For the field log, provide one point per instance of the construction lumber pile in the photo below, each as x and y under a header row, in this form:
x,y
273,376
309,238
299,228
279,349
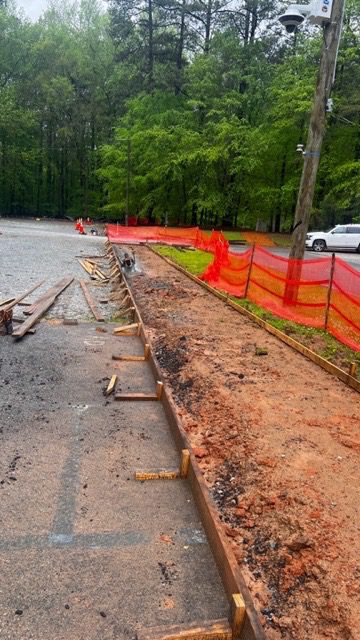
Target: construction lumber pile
x,y
39,308
92,268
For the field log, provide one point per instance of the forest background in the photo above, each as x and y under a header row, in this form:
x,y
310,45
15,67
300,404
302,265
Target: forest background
x,y
197,104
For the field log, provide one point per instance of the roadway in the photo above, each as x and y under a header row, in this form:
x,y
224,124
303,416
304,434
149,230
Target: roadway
x,y
351,258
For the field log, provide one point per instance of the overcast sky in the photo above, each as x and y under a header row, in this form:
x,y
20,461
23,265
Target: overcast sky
x,y
32,8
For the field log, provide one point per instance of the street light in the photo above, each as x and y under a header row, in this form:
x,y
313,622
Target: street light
x,y
329,15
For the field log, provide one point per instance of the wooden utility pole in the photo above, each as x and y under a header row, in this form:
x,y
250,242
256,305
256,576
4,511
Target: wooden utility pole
x,y
325,80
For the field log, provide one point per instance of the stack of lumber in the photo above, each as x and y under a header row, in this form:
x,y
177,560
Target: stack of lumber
x,y
39,308
92,268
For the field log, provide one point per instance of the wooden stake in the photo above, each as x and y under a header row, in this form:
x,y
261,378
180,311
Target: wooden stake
x,y
237,615
184,463
146,351
159,389
111,385
352,369
129,358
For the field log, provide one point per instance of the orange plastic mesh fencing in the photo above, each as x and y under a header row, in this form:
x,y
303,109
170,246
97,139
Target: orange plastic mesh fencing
x,y
193,236
119,234
344,312
293,289
229,272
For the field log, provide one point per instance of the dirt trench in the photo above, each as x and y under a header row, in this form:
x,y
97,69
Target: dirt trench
x,y
278,441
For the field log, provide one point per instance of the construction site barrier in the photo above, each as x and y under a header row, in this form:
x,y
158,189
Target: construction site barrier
x,y
323,292
192,237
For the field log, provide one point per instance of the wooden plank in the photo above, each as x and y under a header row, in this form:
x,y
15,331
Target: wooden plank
x,y
22,296
41,309
184,463
211,630
45,296
4,302
129,358
125,327
91,302
159,389
111,385
85,266
135,396
158,474
237,614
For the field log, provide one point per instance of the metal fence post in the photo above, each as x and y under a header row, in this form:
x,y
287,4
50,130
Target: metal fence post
x,y
328,302
250,269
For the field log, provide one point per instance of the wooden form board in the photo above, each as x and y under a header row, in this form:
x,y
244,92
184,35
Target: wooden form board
x,y
347,378
229,571
91,302
157,474
212,630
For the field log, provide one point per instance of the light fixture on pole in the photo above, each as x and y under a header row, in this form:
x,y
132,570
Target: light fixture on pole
x,y
329,15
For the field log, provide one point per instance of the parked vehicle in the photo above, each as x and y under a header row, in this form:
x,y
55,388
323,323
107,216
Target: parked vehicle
x,y
343,237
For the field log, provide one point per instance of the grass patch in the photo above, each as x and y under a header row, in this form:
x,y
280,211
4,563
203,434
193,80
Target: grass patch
x,y
194,261
281,239
322,343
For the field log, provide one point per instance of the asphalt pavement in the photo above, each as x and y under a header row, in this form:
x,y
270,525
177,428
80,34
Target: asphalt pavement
x,y
351,258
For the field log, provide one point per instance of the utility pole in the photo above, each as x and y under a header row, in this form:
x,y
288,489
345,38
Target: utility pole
x,y
325,81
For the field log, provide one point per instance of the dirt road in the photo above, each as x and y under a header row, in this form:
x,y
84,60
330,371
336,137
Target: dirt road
x,y
278,442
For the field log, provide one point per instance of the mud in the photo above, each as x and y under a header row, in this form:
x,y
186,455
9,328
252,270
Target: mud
x,y
278,442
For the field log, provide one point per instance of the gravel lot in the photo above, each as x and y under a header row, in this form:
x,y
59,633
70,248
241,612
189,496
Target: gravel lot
x,y
32,251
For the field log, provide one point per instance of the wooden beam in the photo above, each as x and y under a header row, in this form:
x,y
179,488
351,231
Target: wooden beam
x,y
89,299
129,358
22,296
41,309
212,630
111,385
184,463
125,327
53,291
135,396
158,474
237,615
4,302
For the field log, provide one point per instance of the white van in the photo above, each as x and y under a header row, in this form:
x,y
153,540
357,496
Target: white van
x,y
341,237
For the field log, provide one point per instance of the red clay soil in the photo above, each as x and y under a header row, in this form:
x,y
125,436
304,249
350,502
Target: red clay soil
x,y
278,442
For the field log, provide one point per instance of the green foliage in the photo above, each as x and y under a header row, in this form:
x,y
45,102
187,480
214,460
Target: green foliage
x,y
212,101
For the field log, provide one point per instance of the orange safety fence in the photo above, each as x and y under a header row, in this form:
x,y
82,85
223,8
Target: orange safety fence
x,y
292,289
344,309
120,234
193,236
322,292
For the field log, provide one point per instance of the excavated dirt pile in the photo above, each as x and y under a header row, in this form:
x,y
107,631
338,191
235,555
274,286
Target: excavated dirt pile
x,y
278,442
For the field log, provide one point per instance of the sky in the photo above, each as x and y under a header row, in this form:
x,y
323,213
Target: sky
x,y
33,8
